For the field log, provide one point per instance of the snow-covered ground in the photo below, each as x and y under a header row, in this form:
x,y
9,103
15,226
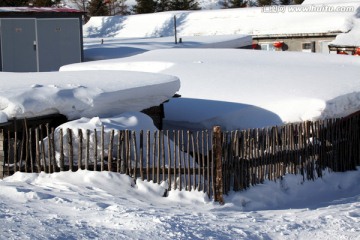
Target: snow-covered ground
x,y
103,205
236,88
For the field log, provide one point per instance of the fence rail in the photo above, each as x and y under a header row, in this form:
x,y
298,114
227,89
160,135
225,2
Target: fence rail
x,y
211,161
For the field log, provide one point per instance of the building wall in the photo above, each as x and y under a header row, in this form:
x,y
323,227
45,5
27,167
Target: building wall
x,y
320,44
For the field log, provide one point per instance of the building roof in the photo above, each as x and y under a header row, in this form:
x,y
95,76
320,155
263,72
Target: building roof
x,y
38,11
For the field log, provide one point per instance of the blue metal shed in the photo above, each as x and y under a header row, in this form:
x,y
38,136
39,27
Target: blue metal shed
x,y
39,39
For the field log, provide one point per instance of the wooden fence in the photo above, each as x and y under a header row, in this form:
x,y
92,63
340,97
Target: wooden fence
x,y
211,161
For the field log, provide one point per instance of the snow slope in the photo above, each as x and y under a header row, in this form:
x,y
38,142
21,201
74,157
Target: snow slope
x,y
252,21
107,48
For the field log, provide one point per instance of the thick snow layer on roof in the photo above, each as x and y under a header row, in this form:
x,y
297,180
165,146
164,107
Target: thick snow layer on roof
x,y
293,19
351,38
247,88
82,93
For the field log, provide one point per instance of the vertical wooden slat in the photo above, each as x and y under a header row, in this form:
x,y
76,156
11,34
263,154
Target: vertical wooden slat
x,y
193,160
37,149
70,148
175,158
179,155
188,186
123,163
158,157
154,156
80,151
128,152
148,155
27,150
49,147
169,162
53,151
203,159
133,137
208,159
102,143
141,135
217,149
15,149
110,149
163,154
87,158
118,152
61,149
183,153
95,149
199,162
42,149
21,152
30,149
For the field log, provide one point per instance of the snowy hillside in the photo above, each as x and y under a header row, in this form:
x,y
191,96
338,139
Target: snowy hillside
x,y
253,21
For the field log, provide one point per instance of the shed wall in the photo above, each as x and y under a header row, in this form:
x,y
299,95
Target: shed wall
x,y
44,42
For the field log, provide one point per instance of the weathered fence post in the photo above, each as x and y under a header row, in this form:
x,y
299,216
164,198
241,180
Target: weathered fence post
x,y
2,155
217,149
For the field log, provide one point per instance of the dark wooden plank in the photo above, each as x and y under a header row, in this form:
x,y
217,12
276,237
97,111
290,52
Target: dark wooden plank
x,y
37,149
87,157
141,157
80,150
102,144
148,146
61,149
135,149
70,149
95,150
110,149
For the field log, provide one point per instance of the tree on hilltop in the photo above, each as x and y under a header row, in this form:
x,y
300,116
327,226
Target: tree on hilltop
x,y
98,8
144,6
184,5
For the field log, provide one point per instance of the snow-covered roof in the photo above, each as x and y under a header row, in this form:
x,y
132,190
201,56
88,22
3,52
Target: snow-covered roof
x,y
82,93
247,88
351,38
37,9
292,19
